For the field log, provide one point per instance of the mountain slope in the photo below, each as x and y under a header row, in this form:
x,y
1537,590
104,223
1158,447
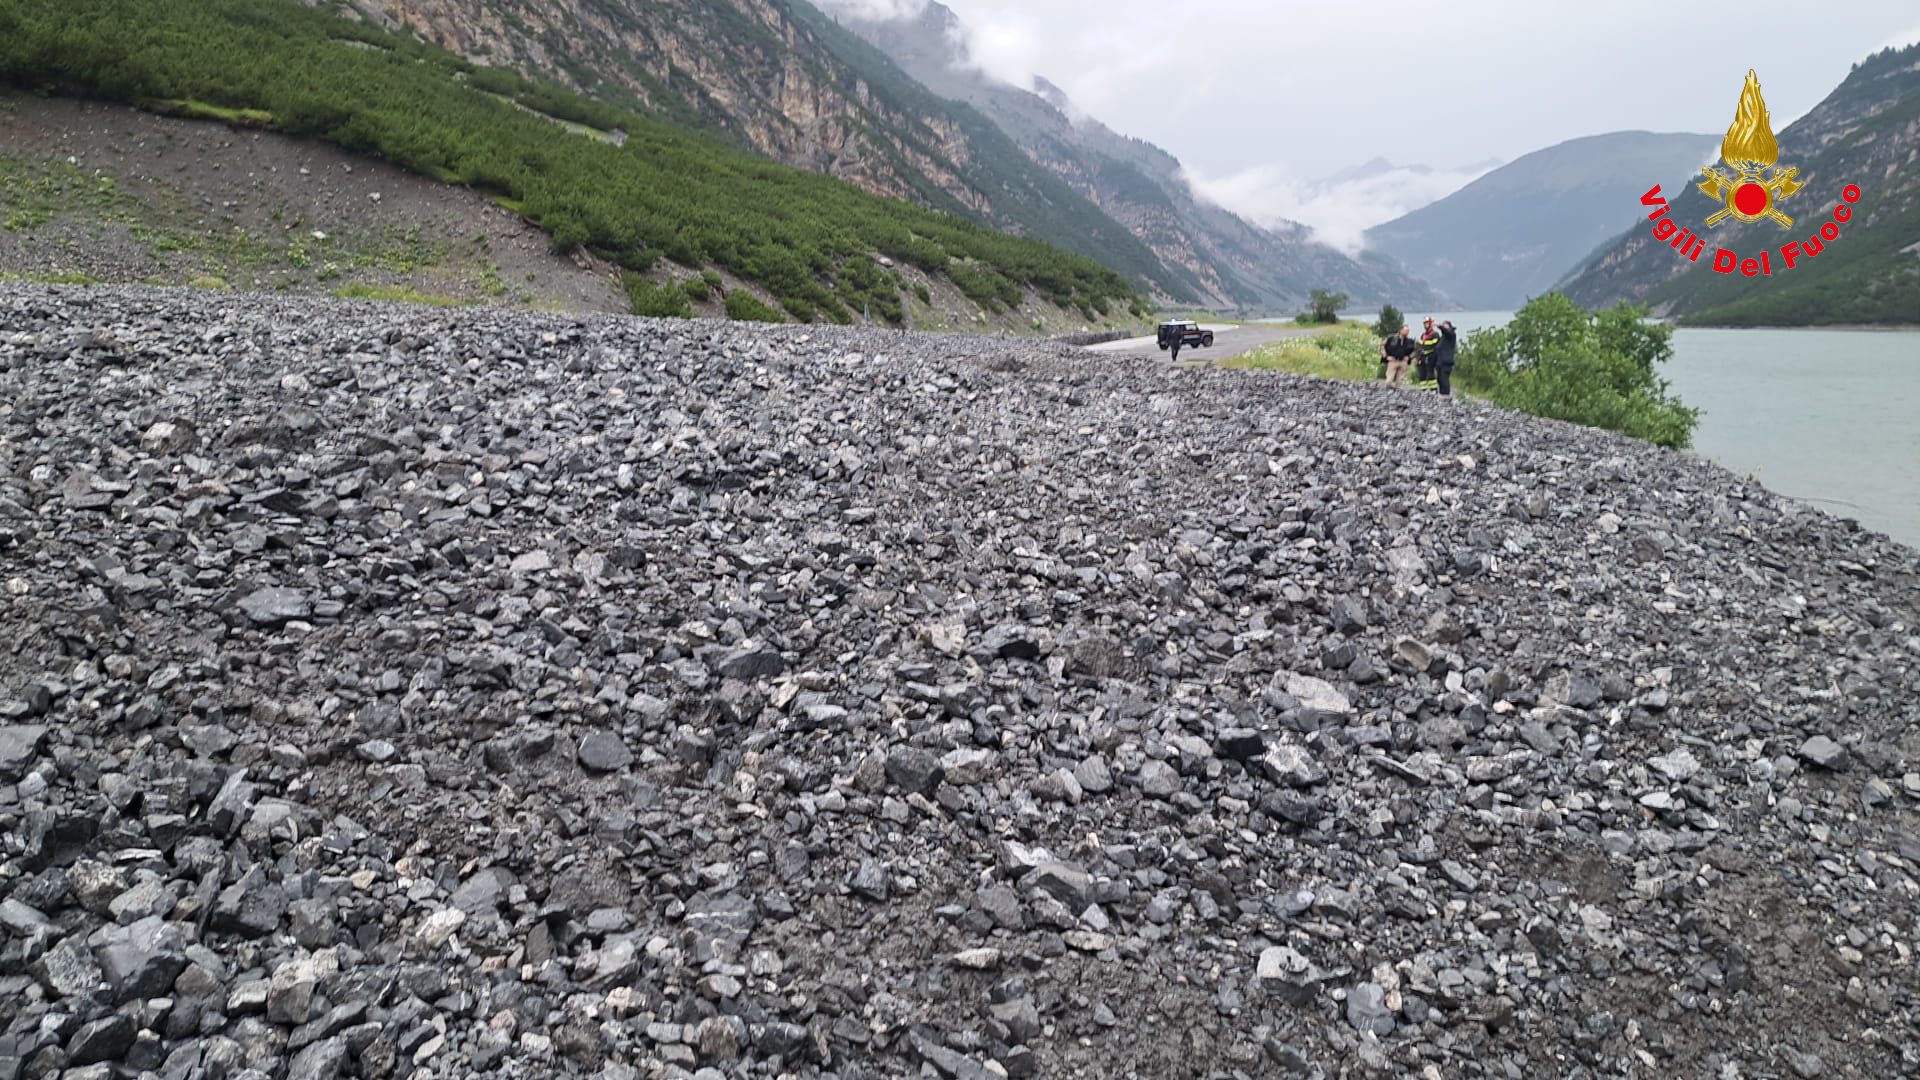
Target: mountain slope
x,y
1144,187
778,78
1866,132
632,190
1513,232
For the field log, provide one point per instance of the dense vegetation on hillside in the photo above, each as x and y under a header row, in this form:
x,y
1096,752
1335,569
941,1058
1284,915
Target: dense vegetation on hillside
x,y
808,240
1880,284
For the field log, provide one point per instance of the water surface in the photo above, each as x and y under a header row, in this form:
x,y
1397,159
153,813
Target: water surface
x,y
1830,417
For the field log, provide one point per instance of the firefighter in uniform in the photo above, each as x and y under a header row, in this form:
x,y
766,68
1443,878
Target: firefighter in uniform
x,y
1429,349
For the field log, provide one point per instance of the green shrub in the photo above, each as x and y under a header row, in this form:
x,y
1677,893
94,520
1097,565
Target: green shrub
x,y
746,307
697,289
662,301
1323,306
1557,360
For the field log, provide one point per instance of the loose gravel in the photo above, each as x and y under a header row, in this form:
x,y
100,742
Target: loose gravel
x,y
400,693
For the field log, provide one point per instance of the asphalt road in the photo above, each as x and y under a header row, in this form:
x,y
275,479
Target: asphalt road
x,y
1229,341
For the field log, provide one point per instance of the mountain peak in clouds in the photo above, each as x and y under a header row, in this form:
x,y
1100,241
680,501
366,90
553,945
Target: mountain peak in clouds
x,y
1339,208
1380,166
1366,171
882,10
1052,94
921,30
1270,265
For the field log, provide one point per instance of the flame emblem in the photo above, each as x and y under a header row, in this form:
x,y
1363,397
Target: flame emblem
x,y
1750,191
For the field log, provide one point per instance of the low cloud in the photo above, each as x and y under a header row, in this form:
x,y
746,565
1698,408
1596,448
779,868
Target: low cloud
x,y
1338,211
1900,41
875,10
1007,47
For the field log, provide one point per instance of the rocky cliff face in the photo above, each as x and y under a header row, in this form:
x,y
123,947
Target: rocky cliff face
x,y
789,82
786,82
748,76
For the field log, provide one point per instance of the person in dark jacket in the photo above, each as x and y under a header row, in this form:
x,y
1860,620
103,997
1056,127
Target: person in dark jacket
x,y
1443,358
1394,353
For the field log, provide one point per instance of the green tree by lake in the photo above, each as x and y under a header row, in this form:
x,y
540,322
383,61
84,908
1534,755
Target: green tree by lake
x,y
1323,306
1558,360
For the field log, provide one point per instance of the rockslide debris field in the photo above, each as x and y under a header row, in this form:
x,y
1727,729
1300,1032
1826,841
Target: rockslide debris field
x,y
390,692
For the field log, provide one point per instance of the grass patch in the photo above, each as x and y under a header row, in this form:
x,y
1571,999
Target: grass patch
x,y
201,110
395,293
55,277
1555,360
667,301
34,193
1349,351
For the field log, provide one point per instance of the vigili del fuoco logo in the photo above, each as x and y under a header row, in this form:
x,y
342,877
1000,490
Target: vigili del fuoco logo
x,y
1751,188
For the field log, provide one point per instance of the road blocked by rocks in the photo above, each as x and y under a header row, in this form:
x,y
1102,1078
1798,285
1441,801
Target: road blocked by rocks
x,y
392,692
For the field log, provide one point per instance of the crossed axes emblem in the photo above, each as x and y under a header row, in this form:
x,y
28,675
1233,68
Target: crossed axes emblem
x,y
1723,187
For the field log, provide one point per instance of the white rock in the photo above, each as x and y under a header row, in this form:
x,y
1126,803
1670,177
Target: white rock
x,y
1679,765
440,926
983,959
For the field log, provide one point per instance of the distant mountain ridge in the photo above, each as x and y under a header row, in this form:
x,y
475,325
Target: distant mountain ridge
x,y
1866,132
1233,261
1380,166
1515,231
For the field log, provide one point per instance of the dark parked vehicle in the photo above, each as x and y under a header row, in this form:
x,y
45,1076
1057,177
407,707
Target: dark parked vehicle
x,y
1187,331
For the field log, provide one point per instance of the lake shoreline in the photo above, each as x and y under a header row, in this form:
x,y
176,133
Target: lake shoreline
x,y
1886,328
1822,415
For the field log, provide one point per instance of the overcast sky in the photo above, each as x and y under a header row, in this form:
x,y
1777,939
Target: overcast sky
x,y
1259,98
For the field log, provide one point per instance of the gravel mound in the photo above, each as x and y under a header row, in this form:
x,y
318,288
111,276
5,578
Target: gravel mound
x,y
391,692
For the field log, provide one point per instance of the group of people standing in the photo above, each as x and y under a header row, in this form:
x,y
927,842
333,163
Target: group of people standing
x,y
1431,353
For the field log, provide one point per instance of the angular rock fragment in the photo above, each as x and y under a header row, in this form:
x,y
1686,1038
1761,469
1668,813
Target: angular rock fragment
x,y
20,745
1824,752
915,769
275,606
604,752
